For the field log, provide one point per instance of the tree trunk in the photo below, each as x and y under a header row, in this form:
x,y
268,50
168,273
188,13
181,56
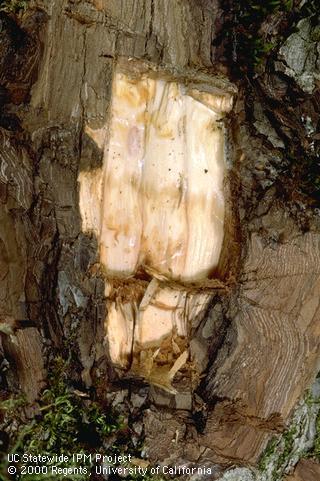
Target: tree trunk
x,y
225,365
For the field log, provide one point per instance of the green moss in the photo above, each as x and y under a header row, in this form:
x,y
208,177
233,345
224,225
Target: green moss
x,y
278,453
65,424
283,448
68,424
13,6
268,454
315,451
248,45
288,439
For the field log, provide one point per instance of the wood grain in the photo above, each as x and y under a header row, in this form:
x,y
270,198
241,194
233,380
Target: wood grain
x,y
275,353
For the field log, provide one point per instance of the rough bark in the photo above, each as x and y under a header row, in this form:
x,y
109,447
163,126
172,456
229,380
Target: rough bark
x,y
305,471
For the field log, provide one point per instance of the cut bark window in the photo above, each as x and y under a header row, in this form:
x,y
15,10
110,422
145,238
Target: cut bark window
x,y
156,206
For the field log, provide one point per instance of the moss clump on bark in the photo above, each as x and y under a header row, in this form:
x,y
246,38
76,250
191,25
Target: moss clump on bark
x,y
13,6
283,452
315,451
65,423
249,35
277,453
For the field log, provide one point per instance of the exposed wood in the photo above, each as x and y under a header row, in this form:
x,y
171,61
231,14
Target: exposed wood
x,y
275,349
158,202
157,205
